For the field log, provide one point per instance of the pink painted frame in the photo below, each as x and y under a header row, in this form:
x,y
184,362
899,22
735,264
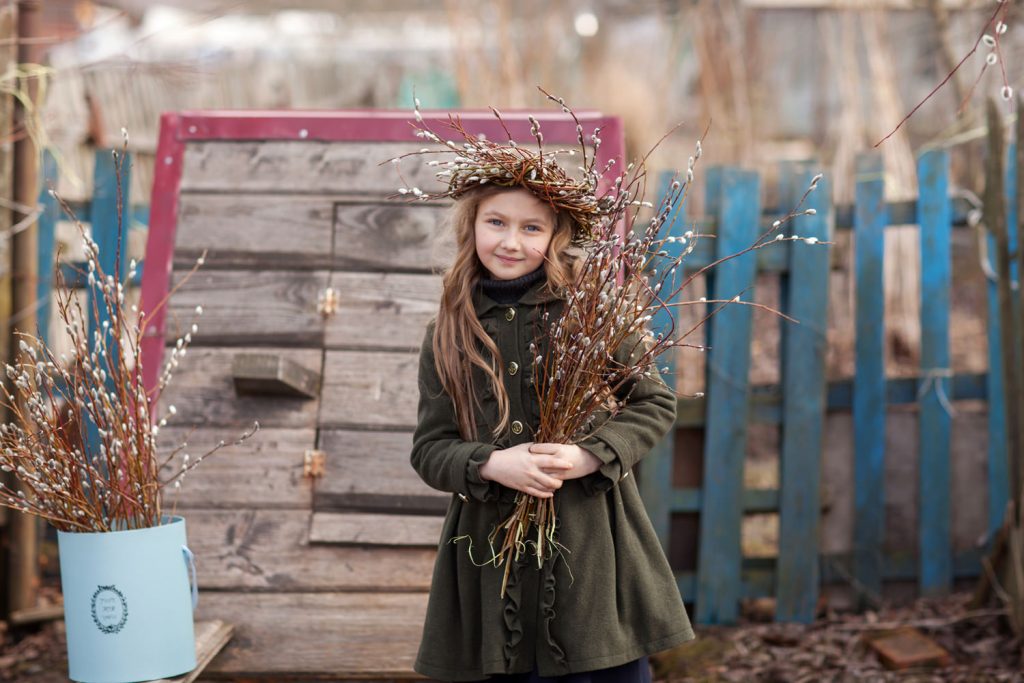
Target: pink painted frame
x,y
368,125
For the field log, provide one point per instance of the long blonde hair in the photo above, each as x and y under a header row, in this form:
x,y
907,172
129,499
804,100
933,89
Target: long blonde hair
x,y
459,336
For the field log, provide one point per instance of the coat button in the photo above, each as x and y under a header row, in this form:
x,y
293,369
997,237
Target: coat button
x,y
513,368
510,314
517,427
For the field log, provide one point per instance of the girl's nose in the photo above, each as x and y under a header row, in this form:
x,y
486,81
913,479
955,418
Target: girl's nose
x,y
510,241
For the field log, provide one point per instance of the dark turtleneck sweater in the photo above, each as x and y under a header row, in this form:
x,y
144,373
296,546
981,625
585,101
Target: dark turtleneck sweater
x,y
510,291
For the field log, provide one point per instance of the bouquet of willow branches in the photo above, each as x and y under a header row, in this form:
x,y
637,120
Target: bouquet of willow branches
x,y
112,482
626,279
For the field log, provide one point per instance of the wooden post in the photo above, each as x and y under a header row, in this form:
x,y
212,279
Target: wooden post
x,y
1017,468
869,397
995,220
8,58
719,579
1015,532
1004,437
24,567
999,453
1006,560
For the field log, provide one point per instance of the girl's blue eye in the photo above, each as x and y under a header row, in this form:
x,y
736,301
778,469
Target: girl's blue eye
x,y
494,221
535,228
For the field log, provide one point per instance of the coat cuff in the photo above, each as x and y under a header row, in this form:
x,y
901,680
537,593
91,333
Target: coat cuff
x,y
478,487
610,472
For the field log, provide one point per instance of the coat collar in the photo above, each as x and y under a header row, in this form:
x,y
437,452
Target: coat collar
x,y
537,294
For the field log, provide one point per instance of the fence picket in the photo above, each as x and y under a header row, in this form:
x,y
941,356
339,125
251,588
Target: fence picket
x,y
108,231
803,396
719,580
47,238
110,235
655,476
869,381
935,553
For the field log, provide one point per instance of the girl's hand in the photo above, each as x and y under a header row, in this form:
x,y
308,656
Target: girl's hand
x,y
517,468
583,461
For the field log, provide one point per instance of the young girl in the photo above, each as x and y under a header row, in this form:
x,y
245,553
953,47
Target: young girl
x,y
596,610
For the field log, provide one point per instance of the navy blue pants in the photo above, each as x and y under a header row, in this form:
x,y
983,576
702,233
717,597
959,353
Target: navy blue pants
x,y
638,671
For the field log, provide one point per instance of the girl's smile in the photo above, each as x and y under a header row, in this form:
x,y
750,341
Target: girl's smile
x,y
512,231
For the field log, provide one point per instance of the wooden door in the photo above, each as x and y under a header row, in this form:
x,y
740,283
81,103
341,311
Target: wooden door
x,y
315,538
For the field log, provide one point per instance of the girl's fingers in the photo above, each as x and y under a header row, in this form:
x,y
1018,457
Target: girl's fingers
x,y
547,448
548,482
538,493
553,463
557,474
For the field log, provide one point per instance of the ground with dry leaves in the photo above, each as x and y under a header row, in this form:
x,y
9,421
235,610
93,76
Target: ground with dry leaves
x,y
834,649
831,650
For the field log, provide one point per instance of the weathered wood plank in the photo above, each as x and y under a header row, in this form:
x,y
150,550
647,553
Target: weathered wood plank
x,y
295,232
372,635
382,311
369,389
362,528
211,637
803,410
270,550
395,236
36,614
203,392
371,471
265,471
252,231
245,307
719,582
935,423
303,167
869,380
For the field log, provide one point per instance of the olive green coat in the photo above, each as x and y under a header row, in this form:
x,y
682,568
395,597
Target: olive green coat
x,y
610,598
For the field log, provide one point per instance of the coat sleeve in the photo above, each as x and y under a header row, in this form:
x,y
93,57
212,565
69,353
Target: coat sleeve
x,y
620,442
441,458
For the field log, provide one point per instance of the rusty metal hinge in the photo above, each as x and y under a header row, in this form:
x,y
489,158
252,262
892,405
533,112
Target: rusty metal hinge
x,y
327,302
313,464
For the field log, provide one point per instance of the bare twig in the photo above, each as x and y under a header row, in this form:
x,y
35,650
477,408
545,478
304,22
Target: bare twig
x,y
1000,8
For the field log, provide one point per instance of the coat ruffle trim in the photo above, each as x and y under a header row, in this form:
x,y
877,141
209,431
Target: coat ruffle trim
x,y
512,617
548,613
511,614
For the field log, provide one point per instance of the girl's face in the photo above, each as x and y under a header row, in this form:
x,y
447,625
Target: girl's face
x,y
513,230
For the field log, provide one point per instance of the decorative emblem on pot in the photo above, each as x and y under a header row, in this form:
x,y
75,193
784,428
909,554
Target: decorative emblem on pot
x,y
109,609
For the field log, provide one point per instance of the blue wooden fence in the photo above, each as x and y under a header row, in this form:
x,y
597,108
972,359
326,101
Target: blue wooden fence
x,y
107,228
799,404
101,214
